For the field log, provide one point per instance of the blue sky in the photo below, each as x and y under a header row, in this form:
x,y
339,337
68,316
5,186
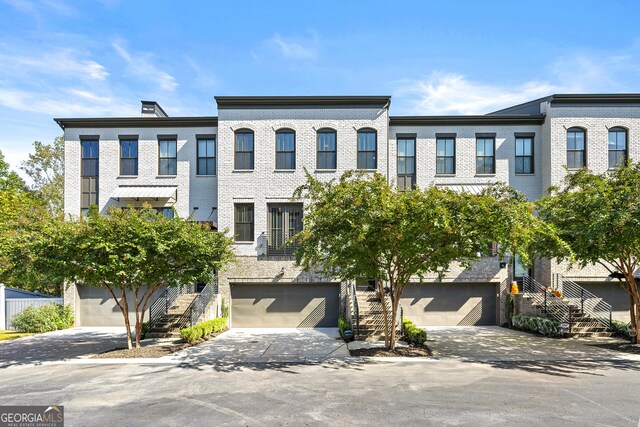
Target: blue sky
x,y
100,58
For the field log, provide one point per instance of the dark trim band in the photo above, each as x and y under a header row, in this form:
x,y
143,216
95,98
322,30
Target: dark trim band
x,y
137,122
301,101
516,119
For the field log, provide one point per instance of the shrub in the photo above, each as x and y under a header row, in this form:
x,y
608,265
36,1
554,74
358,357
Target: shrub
x,y
343,325
413,334
50,317
224,309
620,329
201,330
540,325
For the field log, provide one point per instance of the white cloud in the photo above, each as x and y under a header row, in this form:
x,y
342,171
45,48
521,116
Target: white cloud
x,y
444,93
140,64
61,62
296,48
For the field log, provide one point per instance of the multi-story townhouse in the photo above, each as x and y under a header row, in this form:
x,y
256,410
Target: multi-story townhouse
x,y
239,170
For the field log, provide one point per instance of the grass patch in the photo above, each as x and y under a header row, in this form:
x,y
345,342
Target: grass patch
x,y
9,335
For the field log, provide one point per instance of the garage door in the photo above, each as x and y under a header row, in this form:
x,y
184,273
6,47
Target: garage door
x,y
96,307
290,305
450,304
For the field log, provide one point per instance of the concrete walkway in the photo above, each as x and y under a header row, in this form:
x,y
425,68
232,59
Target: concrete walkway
x,y
496,344
60,345
267,346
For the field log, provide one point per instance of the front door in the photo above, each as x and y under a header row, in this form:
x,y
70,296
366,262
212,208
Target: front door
x,y
520,272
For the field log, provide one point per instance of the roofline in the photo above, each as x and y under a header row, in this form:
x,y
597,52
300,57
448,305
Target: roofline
x,y
503,119
156,105
301,101
532,102
596,98
144,122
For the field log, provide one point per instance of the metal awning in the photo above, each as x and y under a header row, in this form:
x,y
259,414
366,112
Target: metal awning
x,y
145,192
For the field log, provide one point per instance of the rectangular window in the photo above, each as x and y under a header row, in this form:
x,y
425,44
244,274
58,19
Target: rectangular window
x,y
88,174
326,158
524,154
243,222
168,158
575,148
617,147
485,156
285,220
367,149
244,150
166,211
445,155
128,157
206,162
285,150
406,164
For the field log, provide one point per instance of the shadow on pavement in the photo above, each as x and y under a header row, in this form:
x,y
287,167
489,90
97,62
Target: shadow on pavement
x,y
566,368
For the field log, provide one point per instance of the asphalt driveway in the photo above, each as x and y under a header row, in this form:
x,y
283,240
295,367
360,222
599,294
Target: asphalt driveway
x,y
267,345
60,345
493,343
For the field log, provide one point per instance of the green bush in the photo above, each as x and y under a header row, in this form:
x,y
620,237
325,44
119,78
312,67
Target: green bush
x,y
620,329
224,309
413,334
195,332
539,325
343,325
50,317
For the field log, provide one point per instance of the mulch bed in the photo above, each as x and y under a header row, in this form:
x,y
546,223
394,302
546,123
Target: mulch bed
x,y
620,346
151,351
411,351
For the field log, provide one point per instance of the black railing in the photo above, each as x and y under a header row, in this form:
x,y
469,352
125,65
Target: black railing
x,y
198,305
162,304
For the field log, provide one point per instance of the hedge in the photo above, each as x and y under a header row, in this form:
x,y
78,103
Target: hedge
x,y
195,332
47,318
539,325
413,334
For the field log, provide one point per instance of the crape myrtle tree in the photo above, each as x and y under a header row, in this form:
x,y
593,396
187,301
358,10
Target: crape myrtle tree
x,y
359,227
130,252
598,215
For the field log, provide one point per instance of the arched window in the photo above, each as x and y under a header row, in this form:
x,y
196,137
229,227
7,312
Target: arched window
x,y
576,148
244,149
367,149
326,156
617,146
285,149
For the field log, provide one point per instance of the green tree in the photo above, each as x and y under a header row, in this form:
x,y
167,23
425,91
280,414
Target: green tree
x,y
46,168
130,250
598,215
9,180
359,227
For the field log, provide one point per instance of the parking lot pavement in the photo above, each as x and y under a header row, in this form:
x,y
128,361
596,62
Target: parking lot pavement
x,y
493,343
60,345
267,345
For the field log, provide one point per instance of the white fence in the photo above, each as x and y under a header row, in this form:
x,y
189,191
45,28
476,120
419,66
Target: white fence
x,y
11,306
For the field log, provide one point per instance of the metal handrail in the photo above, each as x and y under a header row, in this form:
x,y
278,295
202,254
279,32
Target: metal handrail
x,y
589,303
553,306
161,305
355,308
198,305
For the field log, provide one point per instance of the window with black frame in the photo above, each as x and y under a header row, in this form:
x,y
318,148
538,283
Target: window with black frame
x,y
524,155
285,149
88,174
445,155
167,157
129,156
406,163
485,156
244,150
617,147
367,149
576,148
285,220
206,156
243,222
326,156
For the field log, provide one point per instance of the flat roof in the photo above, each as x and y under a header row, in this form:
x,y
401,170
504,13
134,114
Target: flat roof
x,y
301,101
143,122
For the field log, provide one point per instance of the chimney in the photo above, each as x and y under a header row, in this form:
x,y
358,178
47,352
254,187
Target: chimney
x,y
152,109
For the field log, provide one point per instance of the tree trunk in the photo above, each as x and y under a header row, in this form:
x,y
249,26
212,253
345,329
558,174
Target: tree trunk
x,y
394,315
634,300
385,316
127,324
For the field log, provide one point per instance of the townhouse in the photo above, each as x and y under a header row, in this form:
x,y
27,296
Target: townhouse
x,y
238,171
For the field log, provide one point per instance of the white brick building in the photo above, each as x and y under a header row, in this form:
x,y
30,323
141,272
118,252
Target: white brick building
x,y
253,155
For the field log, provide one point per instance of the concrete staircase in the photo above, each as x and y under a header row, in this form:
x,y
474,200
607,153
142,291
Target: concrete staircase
x,y
371,315
582,325
166,326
